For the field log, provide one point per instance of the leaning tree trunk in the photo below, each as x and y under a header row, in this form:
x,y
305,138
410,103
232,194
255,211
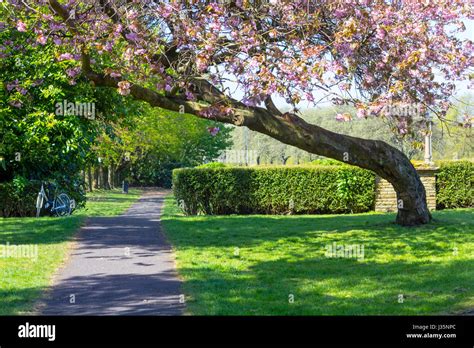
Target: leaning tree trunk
x,y
375,155
378,156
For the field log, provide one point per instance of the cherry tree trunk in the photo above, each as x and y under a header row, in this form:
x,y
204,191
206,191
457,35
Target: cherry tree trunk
x,y
377,156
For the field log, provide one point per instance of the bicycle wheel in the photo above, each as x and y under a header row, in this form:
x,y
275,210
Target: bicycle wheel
x,y
39,204
62,205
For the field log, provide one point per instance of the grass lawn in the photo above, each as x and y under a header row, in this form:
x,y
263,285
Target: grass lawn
x,y
22,279
256,265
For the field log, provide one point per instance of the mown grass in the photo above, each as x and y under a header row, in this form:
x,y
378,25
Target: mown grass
x,y
255,265
22,279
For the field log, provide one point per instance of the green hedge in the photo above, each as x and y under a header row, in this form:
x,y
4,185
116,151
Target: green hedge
x,y
18,198
454,185
274,190
326,162
212,165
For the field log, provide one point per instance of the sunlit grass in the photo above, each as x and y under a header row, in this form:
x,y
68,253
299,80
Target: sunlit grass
x,y
23,279
255,265
108,202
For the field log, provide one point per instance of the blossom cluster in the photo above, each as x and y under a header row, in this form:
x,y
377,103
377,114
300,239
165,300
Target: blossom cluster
x,y
369,53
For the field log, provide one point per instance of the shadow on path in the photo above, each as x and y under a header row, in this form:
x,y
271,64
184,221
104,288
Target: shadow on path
x,y
119,266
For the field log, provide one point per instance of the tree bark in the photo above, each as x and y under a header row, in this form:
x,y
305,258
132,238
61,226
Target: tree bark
x,y
96,178
377,156
89,178
111,176
105,177
100,177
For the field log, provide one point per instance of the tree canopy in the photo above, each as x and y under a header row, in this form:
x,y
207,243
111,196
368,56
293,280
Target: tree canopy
x,y
390,50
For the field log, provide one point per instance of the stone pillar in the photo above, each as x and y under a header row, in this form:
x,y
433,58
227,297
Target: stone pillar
x,y
386,198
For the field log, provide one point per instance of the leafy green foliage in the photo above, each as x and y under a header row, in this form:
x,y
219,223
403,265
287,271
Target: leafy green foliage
x,y
18,198
164,140
36,142
274,190
212,165
39,141
326,162
455,185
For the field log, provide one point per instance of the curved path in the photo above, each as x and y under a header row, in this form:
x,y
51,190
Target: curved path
x,y
120,265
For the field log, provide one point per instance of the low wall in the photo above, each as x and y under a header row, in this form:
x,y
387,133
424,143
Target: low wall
x,y
386,198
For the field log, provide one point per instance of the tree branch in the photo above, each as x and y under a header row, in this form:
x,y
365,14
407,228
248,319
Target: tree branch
x,y
271,106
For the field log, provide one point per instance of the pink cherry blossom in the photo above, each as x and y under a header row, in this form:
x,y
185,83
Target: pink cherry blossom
x,y
389,51
380,33
124,87
65,56
41,39
21,26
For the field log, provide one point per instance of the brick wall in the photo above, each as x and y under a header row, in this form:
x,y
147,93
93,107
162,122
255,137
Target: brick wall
x,y
386,198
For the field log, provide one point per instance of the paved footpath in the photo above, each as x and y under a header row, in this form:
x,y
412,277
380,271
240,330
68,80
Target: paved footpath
x,y
119,266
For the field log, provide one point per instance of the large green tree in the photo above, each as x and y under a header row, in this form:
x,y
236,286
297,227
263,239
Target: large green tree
x,y
37,142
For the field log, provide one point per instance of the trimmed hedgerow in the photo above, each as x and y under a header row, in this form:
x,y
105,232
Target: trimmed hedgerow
x,y
454,185
274,190
18,198
212,165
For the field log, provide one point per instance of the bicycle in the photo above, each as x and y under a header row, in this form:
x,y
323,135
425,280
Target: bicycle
x,y
60,205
